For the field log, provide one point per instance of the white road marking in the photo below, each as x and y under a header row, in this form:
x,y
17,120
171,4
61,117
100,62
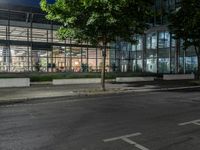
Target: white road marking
x,y
120,137
196,122
126,139
134,143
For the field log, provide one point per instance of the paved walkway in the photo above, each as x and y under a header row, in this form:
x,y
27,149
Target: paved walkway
x,y
10,95
35,91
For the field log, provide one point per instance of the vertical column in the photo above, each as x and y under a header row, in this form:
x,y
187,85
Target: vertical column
x,y
115,56
47,61
129,61
126,65
47,51
157,52
65,56
31,40
70,61
87,58
8,51
136,62
144,53
28,48
170,54
115,52
47,40
96,59
121,58
177,55
184,61
52,47
47,36
81,56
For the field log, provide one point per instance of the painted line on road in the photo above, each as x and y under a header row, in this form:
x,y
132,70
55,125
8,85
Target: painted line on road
x,y
120,137
126,139
196,122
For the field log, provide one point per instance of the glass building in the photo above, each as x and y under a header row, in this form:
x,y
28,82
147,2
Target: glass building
x,y
29,43
28,40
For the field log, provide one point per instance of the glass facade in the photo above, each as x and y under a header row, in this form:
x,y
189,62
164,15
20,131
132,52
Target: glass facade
x,y
29,43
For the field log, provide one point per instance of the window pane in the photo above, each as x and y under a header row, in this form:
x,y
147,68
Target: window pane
x,y
39,35
3,32
152,41
164,40
18,33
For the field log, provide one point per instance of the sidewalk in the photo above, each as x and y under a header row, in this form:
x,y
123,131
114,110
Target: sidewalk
x,y
46,90
35,91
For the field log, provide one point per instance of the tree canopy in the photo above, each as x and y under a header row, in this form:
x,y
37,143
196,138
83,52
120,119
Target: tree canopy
x,y
185,25
99,21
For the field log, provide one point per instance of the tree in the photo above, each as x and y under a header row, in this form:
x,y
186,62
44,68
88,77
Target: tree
x,y
99,22
185,25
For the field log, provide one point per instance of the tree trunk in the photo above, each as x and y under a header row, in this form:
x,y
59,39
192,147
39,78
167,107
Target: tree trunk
x,y
103,68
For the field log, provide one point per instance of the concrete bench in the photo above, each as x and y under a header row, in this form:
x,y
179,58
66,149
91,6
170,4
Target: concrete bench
x,y
14,82
179,77
76,81
134,79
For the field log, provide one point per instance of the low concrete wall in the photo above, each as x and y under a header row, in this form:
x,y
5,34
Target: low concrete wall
x,y
14,82
76,81
178,77
134,79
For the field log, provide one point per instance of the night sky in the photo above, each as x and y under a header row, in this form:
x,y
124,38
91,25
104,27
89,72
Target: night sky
x,y
34,3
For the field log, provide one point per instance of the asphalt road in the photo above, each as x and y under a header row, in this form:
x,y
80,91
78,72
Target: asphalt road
x,y
143,121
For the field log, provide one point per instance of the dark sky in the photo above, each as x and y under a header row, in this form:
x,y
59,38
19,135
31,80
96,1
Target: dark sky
x,y
34,3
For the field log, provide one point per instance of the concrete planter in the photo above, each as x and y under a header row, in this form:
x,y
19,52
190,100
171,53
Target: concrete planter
x,y
134,79
76,81
14,82
179,77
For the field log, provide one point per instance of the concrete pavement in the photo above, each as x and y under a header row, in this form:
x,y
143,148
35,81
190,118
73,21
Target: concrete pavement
x,y
46,90
14,95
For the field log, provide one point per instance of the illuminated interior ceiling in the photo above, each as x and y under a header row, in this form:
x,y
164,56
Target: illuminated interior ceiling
x,y
19,50
1,50
2,30
39,33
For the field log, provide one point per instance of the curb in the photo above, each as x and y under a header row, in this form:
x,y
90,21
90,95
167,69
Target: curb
x,y
179,88
82,94
26,99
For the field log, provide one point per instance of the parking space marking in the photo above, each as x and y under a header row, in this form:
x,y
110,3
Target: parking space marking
x,y
126,139
196,122
120,137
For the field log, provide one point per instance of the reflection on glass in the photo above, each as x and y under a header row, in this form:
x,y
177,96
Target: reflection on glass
x,y
191,64
140,43
164,40
151,41
164,65
151,65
